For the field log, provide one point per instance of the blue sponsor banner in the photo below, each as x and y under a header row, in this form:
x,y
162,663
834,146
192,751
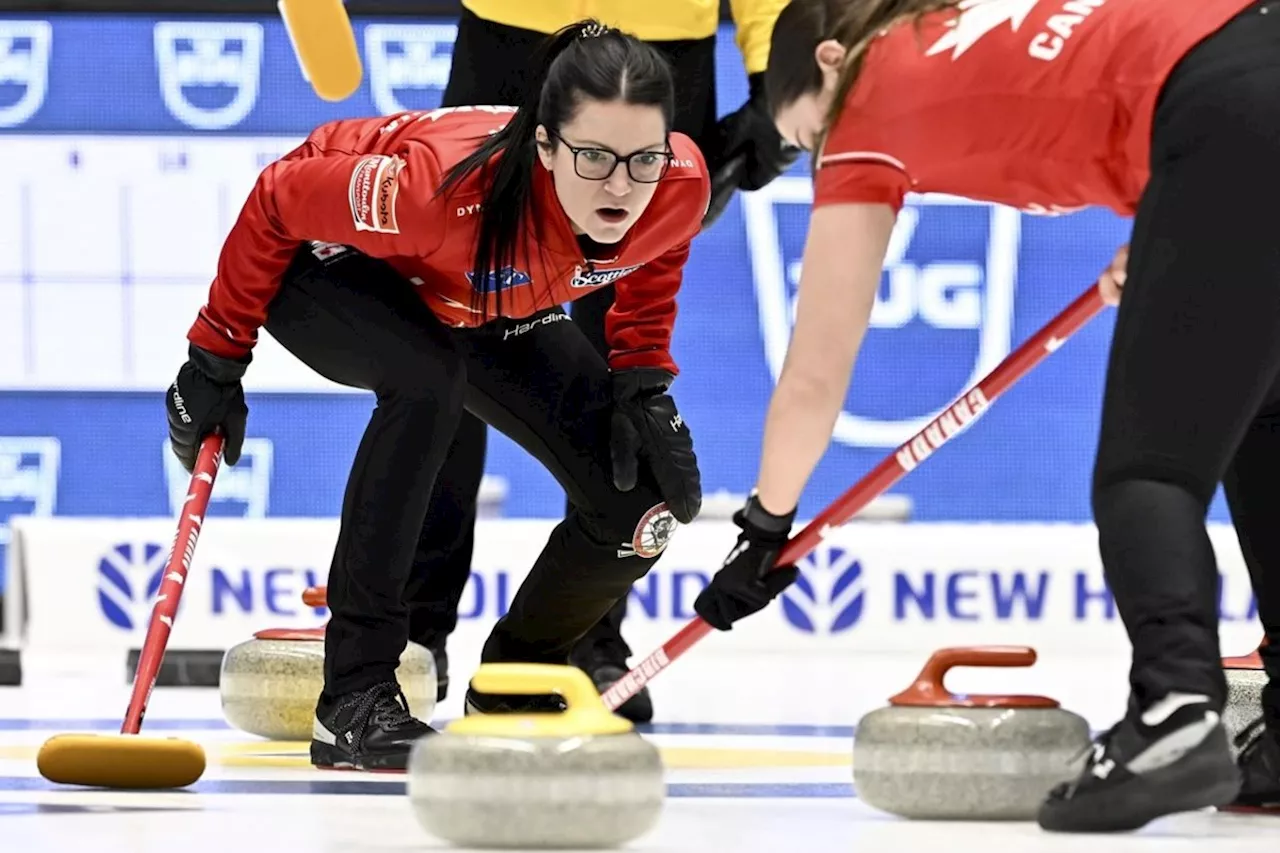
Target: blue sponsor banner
x,y
209,74
963,285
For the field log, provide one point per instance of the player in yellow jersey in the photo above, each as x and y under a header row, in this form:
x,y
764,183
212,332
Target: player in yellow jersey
x,y
491,60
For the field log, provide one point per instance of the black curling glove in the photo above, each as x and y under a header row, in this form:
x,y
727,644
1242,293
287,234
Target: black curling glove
x,y
749,580
746,152
206,395
646,425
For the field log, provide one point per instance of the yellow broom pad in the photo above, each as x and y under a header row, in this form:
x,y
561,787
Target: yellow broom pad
x,y
325,45
120,761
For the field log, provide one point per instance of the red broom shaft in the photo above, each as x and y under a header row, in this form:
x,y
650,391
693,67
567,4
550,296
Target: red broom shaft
x,y
890,470
175,576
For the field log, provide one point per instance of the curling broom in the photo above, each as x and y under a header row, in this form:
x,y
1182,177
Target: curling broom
x,y
890,470
128,760
324,44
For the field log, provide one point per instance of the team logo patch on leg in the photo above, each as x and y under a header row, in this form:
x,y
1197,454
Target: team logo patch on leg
x,y
375,185
653,533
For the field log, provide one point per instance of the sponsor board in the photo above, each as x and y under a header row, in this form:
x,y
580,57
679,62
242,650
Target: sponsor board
x,y
868,588
201,106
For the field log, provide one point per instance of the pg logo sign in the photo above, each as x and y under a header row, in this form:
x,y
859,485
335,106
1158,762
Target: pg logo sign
x,y
943,316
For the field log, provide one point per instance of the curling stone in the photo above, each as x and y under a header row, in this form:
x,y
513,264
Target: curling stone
x,y
1245,680
933,755
318,596
581,778
270,684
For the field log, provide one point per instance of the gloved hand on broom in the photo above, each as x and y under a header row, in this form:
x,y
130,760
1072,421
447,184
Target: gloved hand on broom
x,y
749,578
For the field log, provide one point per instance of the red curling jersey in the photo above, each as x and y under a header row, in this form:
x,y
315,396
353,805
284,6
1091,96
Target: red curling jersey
x,y
371,184
1042,105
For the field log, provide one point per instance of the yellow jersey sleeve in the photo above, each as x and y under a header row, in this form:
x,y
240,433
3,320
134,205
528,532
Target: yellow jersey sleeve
x,y
649,20
753,22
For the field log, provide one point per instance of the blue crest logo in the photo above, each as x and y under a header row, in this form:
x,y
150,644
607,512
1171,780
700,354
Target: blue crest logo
x,y
25,47
209,72
403,57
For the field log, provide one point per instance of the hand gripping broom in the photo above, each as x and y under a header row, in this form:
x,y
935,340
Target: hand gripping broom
x,y
128,760
891,469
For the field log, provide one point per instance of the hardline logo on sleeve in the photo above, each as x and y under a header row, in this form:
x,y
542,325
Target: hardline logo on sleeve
x,y
374,189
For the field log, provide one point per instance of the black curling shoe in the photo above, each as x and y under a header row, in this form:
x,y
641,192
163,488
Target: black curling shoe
x,y
368,730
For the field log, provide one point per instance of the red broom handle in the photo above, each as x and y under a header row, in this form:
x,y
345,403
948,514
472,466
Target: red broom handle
x,y
967,408
175,576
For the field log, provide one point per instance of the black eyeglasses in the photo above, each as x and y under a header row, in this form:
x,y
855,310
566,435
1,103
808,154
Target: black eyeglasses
x,y
597,164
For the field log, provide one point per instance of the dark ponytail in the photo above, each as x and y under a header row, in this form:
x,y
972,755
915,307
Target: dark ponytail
x,y
583,61
804,24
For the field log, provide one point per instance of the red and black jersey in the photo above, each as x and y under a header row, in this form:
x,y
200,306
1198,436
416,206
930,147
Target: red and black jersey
x,y
371,184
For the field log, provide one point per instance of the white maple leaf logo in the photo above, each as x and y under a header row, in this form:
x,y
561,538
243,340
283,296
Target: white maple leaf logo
x,y
977,18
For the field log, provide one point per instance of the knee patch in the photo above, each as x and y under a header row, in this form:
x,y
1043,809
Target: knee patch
x,y
645,534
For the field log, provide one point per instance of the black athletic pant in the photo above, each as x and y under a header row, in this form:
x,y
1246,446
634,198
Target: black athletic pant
x,y
355,321
491,65
1193,385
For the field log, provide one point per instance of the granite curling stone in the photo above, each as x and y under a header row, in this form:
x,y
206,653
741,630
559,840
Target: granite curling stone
x,y
578,779
1245,680
269,685
933,755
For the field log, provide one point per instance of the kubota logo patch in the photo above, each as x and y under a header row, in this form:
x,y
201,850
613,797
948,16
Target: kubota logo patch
x,y
375,185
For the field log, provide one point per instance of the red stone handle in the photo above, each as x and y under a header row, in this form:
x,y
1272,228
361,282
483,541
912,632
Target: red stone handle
x,y
1253,660
316,596
928,691
301,634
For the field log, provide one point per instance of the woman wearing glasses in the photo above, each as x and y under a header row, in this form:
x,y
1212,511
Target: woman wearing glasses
x,y
425,257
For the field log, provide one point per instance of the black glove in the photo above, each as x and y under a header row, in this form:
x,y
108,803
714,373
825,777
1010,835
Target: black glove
x,y
748,580
746,152
645,425
207,394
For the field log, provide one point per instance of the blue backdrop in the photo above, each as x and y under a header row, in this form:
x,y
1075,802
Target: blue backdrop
x,y
965,283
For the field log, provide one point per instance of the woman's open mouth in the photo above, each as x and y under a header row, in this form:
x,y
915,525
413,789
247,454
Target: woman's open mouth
x,y
612,215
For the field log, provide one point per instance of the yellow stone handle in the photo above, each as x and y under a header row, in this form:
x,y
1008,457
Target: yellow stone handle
x,y
533,678
585,713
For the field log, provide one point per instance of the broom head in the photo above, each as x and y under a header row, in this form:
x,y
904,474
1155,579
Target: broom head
x,y
120,761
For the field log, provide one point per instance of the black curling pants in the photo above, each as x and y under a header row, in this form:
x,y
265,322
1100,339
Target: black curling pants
x,y
491,65
355,321
1193,385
